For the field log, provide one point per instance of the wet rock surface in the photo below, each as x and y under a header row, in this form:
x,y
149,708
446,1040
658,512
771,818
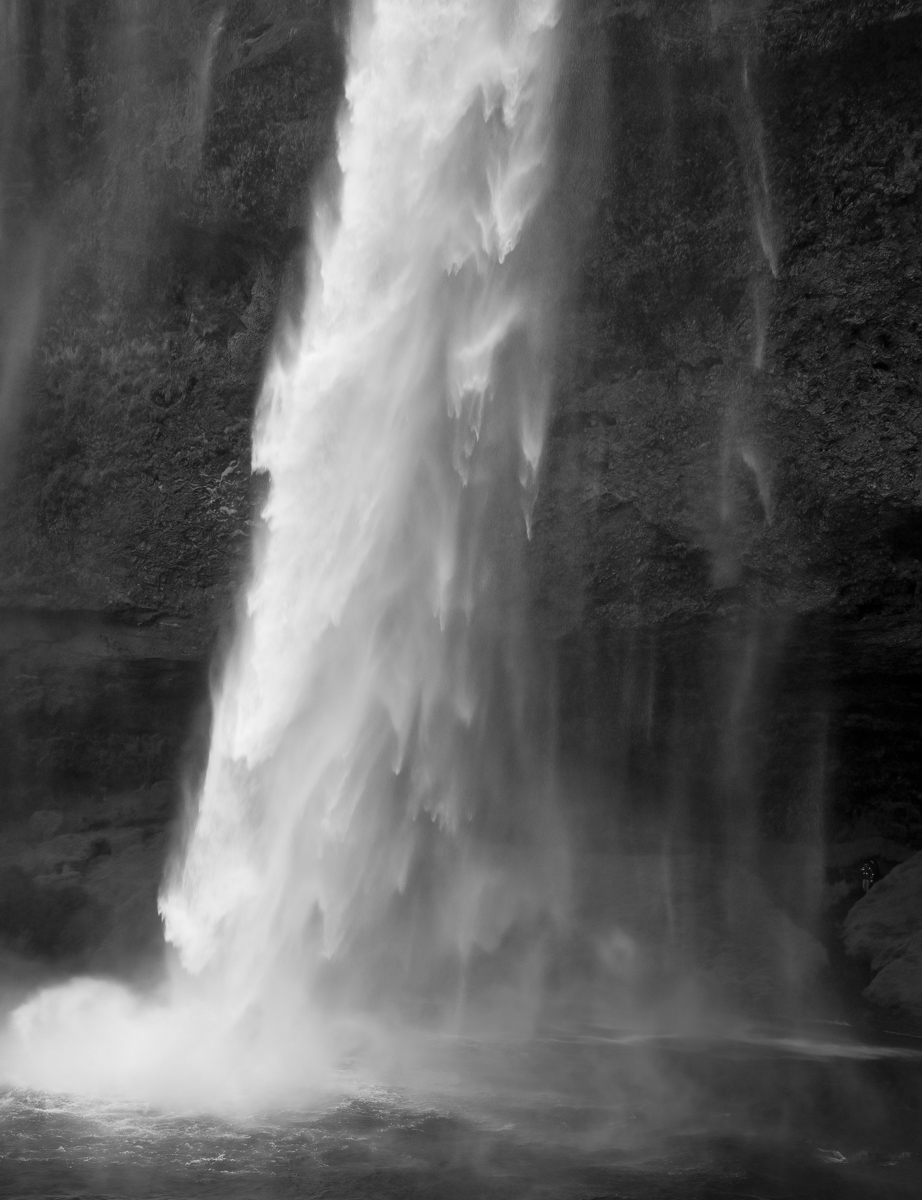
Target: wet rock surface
x,y
78,889
95,702
885,929
153,186
736,425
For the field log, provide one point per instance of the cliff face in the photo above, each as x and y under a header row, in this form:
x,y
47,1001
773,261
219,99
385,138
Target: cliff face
x,y
733,466
155,171
727,555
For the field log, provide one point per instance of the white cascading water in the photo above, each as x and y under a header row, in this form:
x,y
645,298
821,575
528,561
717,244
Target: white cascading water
x,y
338,761
374,833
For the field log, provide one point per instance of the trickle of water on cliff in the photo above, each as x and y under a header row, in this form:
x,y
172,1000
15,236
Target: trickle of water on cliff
x,y
757,172
204,78
739,441
374,834
23,240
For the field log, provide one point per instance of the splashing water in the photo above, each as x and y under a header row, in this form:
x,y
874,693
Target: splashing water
x,y
374,832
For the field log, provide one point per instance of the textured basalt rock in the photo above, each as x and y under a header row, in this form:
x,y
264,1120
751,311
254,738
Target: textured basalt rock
x,y
154,166
885,928
78,887
738,415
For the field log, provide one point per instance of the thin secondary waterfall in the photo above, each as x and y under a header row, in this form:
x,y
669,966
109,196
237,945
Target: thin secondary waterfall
x,y
353,806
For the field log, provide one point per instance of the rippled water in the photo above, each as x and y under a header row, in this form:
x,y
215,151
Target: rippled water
x,y
594,1117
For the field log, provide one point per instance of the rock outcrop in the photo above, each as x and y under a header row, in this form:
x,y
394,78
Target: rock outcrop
x,y
885,929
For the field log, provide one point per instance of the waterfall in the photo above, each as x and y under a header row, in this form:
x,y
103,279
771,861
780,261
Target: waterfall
x,y
350,789
375,832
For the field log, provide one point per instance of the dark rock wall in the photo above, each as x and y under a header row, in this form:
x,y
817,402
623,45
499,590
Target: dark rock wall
x,y
93,703
155,164
735,444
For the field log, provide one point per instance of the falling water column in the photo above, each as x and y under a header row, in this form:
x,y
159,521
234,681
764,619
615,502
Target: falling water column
x,y
372,828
